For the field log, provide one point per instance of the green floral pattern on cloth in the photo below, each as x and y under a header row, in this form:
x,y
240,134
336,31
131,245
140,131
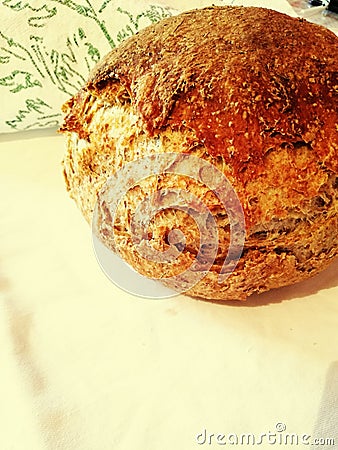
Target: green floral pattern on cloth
x,y
48,47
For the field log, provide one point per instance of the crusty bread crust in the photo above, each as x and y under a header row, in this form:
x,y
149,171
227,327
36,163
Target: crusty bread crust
x,y
254,92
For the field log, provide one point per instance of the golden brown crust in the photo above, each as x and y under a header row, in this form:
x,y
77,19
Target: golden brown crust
x,y
241,78
252,91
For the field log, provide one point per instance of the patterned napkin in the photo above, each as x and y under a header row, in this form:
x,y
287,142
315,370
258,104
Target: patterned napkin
x,y
47,48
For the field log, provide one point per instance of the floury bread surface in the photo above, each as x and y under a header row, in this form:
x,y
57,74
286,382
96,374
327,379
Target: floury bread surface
x,y
253,92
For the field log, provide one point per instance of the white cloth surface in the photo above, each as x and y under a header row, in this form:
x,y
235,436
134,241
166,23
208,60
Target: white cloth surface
x,y
85,365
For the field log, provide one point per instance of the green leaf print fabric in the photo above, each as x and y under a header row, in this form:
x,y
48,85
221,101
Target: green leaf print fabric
x,y
48,47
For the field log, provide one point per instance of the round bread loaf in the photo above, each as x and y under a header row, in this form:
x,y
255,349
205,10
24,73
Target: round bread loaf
x,y
251,91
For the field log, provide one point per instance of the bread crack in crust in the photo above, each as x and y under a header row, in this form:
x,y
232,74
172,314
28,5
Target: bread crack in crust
x,y
251,91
